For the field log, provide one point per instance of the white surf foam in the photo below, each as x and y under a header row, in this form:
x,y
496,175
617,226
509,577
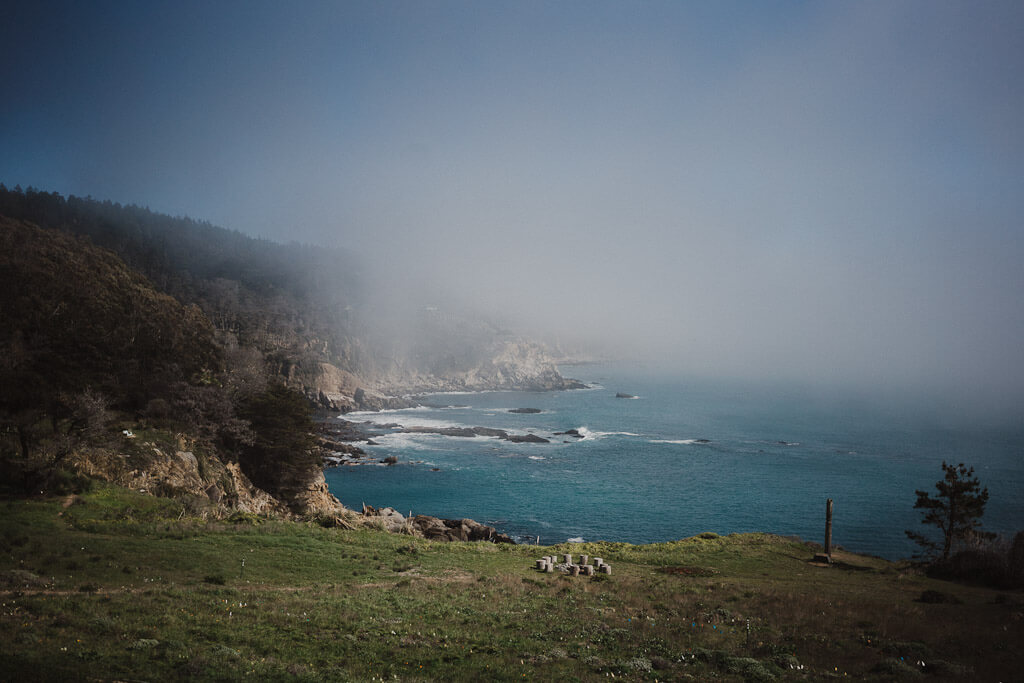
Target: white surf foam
x,y
588,433
415,421
684,442
537,457
408,441
378,413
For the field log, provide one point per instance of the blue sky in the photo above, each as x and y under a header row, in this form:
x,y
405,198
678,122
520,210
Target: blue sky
x,y
829,191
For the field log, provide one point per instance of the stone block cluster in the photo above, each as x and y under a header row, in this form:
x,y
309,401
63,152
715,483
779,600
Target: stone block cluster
x,y
549,563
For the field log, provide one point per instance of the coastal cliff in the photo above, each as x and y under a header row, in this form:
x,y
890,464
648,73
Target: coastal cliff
x,y
209,348
504,365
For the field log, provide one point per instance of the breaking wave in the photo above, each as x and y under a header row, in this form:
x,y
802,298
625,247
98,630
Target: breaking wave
x,y
588,433
682,442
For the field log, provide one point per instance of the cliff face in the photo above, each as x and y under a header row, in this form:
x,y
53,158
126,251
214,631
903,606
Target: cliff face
x,y
504,365
307,313
161,467
115,315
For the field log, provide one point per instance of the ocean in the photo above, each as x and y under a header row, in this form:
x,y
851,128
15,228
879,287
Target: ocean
x,y
683,457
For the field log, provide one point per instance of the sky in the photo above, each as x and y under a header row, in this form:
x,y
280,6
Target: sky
x,y
820,191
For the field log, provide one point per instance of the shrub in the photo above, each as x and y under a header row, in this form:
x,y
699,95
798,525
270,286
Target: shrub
x,y
63,483
990,562
751,669
240,517
896,669
281,458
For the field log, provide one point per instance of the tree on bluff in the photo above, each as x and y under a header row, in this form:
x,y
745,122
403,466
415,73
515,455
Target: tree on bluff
x,y
956,511
282,459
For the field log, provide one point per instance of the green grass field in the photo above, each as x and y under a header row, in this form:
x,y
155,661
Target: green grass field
x,y
117,585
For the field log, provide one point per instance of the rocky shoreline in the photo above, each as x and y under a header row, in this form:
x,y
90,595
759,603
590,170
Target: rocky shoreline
x,y
434,528
509,365
338,438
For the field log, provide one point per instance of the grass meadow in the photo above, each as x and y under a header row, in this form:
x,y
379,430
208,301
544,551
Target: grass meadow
x,y
117,585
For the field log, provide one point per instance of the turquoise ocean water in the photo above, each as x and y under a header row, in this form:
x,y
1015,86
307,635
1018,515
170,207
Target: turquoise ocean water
x,y
644,473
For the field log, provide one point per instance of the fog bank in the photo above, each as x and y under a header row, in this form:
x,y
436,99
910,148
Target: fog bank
x,y
823,193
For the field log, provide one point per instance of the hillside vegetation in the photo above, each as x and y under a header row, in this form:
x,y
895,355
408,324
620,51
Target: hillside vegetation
x,y
117,585
90,346
212,345
315,316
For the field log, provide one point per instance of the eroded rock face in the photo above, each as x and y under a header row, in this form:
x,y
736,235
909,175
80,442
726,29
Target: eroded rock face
x,y
498,365
317,500
502,365
364,399
208,485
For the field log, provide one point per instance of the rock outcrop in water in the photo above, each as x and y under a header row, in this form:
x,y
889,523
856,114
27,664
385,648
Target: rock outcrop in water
x,y
470,432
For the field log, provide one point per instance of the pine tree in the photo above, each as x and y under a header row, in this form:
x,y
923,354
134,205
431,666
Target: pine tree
x,y
956,511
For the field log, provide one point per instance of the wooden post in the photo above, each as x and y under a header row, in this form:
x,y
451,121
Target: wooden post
x,y
828,528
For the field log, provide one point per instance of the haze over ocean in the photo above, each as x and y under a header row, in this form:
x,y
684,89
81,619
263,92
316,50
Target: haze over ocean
x,y
759,193
642,474
828,192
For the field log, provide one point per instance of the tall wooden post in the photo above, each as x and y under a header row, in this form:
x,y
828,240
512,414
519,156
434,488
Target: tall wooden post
x,y
828,528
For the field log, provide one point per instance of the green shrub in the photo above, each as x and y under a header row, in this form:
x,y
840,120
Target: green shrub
x,y
895,668
751,669
64,483
240,517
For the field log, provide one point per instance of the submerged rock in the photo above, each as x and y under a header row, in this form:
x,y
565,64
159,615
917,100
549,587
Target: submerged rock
x,y
466,432
526,438
525,411
488,431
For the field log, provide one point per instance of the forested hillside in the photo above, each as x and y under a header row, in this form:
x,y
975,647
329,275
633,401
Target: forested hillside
x,y
309,312
213,345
